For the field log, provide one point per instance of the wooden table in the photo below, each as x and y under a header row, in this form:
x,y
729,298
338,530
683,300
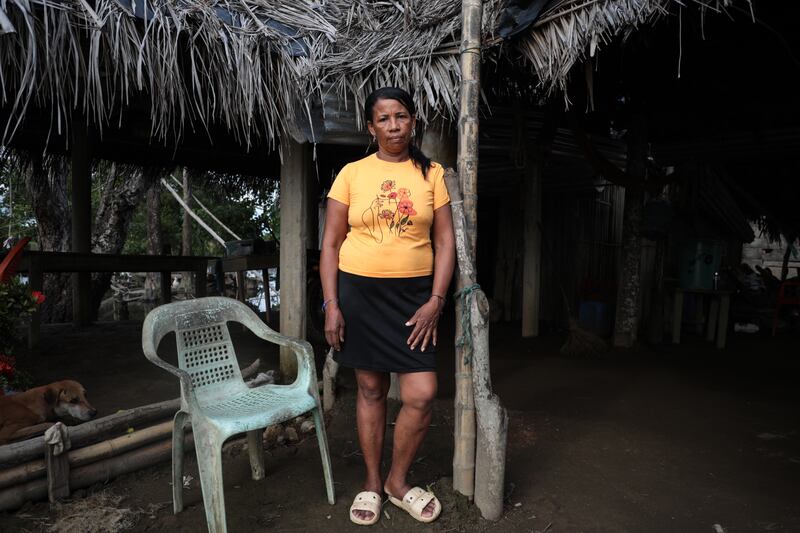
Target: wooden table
x,y
717,326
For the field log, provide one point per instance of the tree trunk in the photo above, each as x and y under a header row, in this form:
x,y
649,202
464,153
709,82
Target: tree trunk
x,y
464,455
47,186
155,242
492,419
626,325
787,256
121,193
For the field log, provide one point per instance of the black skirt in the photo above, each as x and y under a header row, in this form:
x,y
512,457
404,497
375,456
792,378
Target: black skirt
x,y
375,313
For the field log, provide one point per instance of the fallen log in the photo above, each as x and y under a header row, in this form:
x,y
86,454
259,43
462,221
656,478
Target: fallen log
x,y
31,432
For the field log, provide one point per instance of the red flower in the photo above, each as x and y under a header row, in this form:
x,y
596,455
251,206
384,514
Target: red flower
x,y
38,296
406,207
7,364
392,195
387,185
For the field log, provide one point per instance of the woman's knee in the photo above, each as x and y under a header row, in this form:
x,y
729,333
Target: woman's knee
x,y
372,388
419,395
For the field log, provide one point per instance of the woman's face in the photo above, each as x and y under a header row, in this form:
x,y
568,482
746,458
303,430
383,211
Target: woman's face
x,y
391,125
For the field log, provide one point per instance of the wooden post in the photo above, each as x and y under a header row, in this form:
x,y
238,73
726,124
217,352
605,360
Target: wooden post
x,y
267,296
200,278
532,239
295,169
81,219
154,242
626,324
186,229
57,474
470,50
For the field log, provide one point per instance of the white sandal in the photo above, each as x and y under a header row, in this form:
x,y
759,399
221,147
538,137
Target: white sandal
x,y
366,501
415,501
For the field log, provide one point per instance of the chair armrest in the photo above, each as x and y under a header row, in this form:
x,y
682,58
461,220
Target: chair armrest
x,y
306,371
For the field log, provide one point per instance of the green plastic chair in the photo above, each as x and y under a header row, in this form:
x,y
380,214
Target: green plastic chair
x,y
216,401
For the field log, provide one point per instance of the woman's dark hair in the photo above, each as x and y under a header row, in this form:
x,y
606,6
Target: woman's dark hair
x,y
421,161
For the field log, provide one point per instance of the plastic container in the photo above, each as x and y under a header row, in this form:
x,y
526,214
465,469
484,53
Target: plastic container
x,y
699,260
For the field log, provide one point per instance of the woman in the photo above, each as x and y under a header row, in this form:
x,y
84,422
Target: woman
x,y
388,254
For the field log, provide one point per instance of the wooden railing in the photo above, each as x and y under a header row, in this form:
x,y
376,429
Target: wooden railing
x,y
35,264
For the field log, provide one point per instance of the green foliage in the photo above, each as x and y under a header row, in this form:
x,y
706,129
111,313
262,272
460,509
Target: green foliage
x,y
16,302
249,213
16,214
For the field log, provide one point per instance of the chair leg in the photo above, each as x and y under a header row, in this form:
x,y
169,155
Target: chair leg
x,y
322,439
178,427
255,446
208,446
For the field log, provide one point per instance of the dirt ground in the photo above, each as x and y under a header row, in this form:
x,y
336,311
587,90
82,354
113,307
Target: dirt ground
x,y
657,439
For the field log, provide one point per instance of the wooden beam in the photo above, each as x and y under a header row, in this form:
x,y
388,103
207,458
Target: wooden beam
x,y
295,171
81,220
532,241
72,262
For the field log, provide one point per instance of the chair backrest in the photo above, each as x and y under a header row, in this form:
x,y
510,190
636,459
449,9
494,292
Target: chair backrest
x,y
206,352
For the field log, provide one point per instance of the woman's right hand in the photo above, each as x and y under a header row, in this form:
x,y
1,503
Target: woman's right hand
x,y
334,326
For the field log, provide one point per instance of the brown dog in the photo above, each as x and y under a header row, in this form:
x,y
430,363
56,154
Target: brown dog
x,y
47,403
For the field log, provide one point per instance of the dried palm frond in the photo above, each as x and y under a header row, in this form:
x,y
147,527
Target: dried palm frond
x,y
250,65
568,31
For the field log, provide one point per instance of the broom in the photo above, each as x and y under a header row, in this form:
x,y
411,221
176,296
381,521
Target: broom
x,y
579,341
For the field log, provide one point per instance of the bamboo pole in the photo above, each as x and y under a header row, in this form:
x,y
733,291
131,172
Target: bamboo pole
x,y
113,447
87,475
20,452
188,210
89,454
464,453
23,473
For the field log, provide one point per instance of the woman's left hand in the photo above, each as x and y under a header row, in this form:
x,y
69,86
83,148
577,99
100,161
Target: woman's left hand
x,y
425,321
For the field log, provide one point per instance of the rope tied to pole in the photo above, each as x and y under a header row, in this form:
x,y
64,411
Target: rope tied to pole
x,y
466,317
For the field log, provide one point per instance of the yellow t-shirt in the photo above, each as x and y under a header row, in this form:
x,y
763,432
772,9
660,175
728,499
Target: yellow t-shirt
x,y
390,216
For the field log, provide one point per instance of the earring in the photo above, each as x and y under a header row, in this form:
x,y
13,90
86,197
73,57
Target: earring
x,y
413,133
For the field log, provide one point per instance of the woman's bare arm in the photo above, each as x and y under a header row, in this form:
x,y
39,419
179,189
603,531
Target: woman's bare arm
x,y
335,232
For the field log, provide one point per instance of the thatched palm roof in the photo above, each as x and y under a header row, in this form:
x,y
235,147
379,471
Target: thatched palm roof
x,y
249,65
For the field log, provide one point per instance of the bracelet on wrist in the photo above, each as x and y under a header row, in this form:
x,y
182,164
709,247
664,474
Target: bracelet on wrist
x,y
441,298
326,302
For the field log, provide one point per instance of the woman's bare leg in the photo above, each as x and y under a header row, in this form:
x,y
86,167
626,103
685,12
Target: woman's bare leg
x,y
371,422
417,392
